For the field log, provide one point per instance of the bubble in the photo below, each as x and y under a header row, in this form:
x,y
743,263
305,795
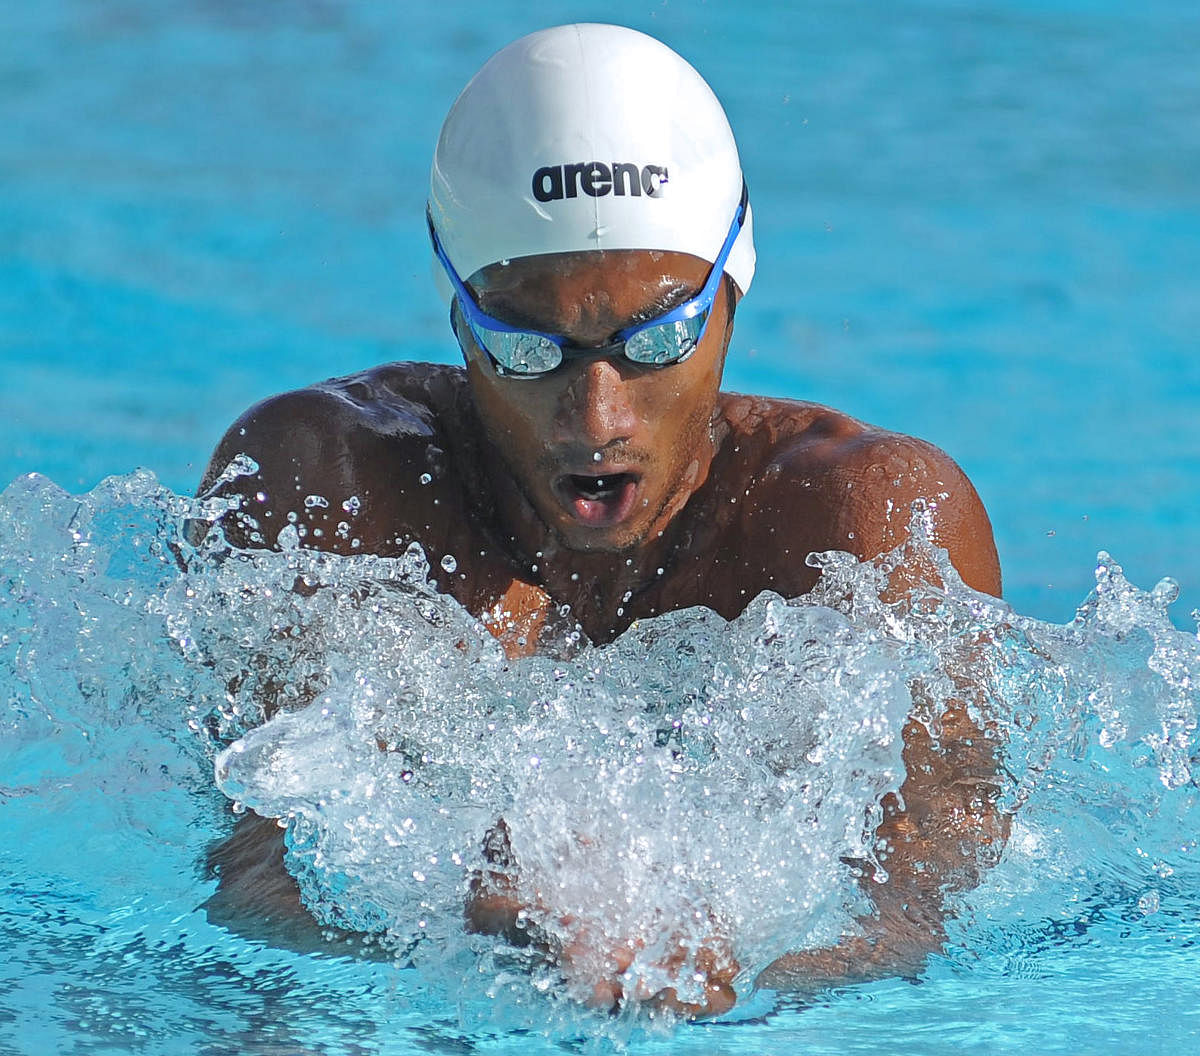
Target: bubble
x,y
449,563
426,478
315,502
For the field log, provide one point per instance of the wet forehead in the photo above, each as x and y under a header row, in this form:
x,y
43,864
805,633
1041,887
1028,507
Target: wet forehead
x,y
584,292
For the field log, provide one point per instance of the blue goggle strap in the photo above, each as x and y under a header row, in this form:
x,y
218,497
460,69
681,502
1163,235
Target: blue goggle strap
x,y
692,307
475,315
703,300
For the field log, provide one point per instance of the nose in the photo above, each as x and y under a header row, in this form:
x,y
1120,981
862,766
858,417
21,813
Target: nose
x,y
597,406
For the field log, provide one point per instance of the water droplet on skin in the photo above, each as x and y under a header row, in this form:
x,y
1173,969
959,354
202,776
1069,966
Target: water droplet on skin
x,y
597,456
288,538
449,563
574,577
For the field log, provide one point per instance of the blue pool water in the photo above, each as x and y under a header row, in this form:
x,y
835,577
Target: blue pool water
x,y
978,223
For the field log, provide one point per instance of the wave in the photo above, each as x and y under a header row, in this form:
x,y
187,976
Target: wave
x,y
696,774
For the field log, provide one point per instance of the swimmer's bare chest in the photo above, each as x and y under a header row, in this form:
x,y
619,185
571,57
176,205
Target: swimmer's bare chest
x,y
715,559
394,455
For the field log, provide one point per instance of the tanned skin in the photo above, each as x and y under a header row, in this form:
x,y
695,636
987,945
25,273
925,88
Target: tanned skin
x,y
698,497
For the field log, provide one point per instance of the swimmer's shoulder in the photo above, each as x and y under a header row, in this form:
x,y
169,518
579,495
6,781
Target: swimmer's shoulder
x,y
397,400
828,481
369,442
778,440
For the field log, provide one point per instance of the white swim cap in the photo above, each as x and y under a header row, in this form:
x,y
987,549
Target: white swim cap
x,y
587,137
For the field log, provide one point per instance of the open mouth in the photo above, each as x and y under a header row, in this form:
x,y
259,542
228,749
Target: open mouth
x,y
601,499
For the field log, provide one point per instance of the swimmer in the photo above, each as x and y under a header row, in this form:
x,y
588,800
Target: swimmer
x,y
592,230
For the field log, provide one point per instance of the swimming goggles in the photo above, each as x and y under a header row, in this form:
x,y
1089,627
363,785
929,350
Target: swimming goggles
x,y
658,342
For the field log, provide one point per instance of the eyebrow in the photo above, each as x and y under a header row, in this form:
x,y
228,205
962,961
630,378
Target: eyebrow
x,y
671,298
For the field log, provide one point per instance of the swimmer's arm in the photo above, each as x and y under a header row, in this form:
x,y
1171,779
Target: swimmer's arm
x,y
945,828
937,838
310,442
258,899
865,483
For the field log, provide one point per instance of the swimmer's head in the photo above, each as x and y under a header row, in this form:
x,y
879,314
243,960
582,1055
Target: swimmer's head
x,y
587,137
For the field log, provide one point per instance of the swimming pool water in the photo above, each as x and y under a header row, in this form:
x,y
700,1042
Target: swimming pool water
x,y
976,222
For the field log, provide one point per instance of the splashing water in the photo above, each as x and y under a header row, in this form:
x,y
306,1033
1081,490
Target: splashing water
x,y
695,775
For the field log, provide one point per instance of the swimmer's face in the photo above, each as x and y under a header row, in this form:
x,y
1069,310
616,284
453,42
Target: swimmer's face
x,y
606,451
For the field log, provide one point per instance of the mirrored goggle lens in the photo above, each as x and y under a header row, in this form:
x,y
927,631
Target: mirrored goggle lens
x,y
519,353
665,343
